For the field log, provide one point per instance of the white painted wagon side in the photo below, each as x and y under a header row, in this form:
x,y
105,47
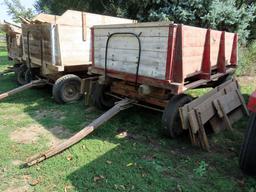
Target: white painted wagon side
x,y
68,42
123,50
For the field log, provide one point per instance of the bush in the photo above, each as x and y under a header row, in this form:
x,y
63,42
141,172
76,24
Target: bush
x,y
247,60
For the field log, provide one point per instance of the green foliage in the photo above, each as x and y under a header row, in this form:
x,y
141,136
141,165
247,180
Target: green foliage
x,y
17,10
247,60
217,14
228,15
58,7
201,169
224,15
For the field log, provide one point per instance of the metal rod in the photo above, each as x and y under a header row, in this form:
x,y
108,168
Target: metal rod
x,y
139,42
136,103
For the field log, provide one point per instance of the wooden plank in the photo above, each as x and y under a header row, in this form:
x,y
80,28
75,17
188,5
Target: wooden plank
x,y
84,28
145,32
229,102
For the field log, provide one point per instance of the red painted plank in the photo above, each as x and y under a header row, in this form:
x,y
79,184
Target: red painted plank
x,y
177,66
170,51
233,59
222,58
206,63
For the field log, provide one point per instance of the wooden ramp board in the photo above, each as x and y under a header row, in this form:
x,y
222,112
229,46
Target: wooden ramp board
x,y
221,107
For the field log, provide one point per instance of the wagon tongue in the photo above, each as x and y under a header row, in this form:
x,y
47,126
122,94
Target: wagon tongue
x,y
119,106
34,83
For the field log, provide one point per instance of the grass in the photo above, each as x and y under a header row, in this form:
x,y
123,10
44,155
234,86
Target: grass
x,y
105,160
247,60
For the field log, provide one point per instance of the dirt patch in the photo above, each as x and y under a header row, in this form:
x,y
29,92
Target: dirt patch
x,y
31,134
18,184
17,189
17,162
58,134
13,117
245,80
27,135
56,114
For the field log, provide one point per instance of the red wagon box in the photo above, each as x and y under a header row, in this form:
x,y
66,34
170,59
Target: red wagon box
x,y
162,54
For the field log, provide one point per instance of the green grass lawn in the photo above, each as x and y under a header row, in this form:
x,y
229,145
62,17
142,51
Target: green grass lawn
x,y
106,160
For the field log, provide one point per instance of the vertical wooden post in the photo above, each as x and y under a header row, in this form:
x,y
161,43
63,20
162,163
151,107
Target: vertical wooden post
x,y
92,46
234,55
170,51
206,63
84,28
177,67
222,57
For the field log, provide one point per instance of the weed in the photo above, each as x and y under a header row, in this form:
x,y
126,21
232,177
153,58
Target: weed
x,y
201,169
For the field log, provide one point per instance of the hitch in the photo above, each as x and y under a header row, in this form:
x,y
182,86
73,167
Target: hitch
x,y
34,83
119,106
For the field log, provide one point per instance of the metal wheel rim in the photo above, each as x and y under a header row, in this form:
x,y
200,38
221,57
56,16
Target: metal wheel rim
x,y
71,91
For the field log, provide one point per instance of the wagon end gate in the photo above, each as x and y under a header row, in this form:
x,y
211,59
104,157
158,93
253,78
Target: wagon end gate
x,y
220,107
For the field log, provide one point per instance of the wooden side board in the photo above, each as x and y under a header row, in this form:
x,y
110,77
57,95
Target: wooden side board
x,y
123,50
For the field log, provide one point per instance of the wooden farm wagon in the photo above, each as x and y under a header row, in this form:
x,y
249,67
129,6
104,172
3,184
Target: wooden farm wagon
x,y
13,41
155,63
152,65
57,49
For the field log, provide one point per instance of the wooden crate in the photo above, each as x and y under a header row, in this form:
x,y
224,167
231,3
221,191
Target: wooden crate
x,y
61,42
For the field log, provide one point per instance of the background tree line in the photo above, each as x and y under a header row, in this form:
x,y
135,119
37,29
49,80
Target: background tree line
x,y
230,15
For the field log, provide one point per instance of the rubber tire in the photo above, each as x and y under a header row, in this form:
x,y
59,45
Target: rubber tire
x,y
20,74
99,99
171,121
28,77
247,157
59,86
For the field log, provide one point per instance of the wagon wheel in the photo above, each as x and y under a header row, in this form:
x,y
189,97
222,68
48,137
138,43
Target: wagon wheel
x,y
248,154
67,89
20,74
172,126
100,99
28,76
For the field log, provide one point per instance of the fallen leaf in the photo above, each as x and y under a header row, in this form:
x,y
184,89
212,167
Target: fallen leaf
x,y
97,178
34,182
67,187
122,134
69,158
122,186
129,164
